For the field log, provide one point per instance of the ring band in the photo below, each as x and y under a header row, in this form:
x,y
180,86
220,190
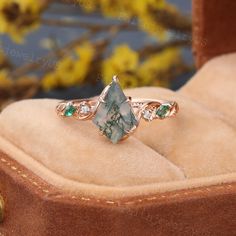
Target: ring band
x,y
116,115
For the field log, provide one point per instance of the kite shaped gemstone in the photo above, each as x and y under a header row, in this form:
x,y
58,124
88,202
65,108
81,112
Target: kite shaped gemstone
x,y
114,116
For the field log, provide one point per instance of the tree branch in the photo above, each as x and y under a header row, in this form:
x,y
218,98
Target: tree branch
x,y
87,25
173,20
151,49
50,56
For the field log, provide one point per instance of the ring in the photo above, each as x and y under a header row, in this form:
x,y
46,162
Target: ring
x,y
116,115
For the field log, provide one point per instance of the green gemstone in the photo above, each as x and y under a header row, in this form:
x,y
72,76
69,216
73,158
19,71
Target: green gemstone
x,y
115,116
69,111
163,110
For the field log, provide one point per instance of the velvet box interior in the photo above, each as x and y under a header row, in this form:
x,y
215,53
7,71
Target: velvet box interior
x,y
172,177
67,162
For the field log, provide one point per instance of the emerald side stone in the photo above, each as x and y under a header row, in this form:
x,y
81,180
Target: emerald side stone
x,y
69,110
163,110
114,116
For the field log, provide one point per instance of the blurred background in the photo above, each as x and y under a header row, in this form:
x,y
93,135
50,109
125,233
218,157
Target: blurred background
x,y
71,48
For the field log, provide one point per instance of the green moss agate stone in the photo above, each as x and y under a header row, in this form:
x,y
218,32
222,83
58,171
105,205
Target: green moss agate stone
x,y
114,116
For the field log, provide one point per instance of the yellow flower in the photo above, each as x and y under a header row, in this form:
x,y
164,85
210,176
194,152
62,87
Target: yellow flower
x,y
143,7
108,8
115,8
29,5
125,58
156,4
49,81
143,10
74,71
80,71
17,17
128,81
151,70
150,25
139,7
64,72
122,60
71,70
85,52
88,6
147,72
4,79
65,65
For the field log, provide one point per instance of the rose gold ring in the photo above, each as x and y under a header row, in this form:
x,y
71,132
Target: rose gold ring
x,y
117,115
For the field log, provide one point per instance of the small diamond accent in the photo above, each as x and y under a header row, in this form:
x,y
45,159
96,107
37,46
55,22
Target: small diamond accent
x,y
84,109
147,115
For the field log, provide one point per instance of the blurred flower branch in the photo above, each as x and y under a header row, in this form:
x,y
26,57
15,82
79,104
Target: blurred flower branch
x,y
84,60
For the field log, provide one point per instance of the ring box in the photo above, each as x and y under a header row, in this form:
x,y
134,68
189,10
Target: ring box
x,y
40,202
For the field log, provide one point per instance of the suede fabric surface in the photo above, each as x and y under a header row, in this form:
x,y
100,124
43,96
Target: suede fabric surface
x,y
197,147
42,210
189,145
214,31
76,151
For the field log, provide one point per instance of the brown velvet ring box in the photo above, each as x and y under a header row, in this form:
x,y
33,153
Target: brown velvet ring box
x,y
175,177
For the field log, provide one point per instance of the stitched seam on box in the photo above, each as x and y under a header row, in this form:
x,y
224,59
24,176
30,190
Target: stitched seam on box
x,y
110,202
23,175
